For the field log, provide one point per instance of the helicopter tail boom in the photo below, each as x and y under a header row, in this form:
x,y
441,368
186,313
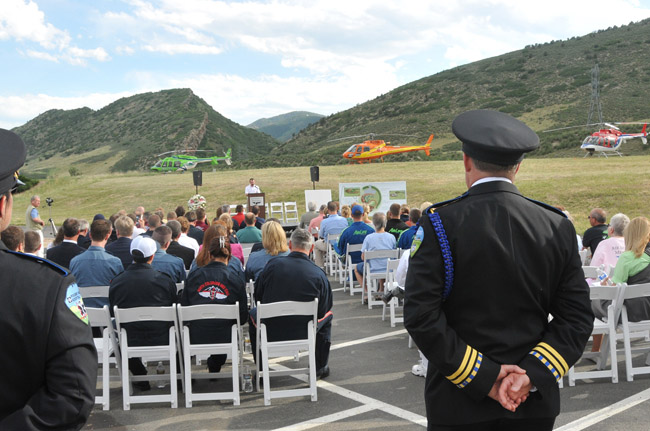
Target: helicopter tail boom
x,y
427,146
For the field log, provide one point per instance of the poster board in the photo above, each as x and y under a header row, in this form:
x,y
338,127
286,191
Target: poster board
x,y
258,199
321,197
379,196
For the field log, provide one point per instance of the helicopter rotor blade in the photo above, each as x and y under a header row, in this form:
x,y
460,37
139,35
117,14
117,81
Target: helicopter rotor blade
x,y
573,127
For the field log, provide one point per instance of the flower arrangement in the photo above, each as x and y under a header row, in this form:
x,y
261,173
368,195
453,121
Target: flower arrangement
x,y
196,201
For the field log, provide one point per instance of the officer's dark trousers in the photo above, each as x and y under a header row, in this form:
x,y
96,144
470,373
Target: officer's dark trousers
x,y
532,424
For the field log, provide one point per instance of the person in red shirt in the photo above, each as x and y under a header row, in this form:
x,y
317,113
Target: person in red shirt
x,y
238,218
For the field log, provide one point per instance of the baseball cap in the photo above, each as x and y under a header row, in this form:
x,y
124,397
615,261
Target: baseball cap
x,y
143,246
356,210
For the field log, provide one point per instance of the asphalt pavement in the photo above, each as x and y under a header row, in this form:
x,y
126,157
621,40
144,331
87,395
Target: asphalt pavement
x,y
370,387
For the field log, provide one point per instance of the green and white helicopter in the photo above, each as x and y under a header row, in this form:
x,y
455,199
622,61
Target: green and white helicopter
x,y
183,162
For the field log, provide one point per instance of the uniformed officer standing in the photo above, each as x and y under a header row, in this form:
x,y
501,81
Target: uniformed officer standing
x,y
48,361
486,270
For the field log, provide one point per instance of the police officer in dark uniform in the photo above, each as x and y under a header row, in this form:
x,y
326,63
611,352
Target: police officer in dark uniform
x,y
48,361
486,271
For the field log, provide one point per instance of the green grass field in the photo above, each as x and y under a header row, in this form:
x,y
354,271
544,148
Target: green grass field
x,y
615,184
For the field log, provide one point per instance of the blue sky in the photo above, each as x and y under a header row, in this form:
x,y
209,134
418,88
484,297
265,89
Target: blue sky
x,y
256,59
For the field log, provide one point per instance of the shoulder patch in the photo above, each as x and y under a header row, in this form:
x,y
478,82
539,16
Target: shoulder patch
x,y
49,263
417,240
75,302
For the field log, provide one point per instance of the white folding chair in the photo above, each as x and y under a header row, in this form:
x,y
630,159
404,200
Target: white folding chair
x,y
583,256
634,330
590,271
277,211
106,346
233,210
246,251
349,269
158,352
330,256
179,286
390,284
606,328
250,293
267,349
371,279
94,292
291,212
233,349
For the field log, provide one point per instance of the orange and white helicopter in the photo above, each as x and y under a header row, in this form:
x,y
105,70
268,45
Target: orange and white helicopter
x,y
373,149
608,139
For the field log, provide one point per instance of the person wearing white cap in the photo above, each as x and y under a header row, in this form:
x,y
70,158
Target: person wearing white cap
x,y
142,286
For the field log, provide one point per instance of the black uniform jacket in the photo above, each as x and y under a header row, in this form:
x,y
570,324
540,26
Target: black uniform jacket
x,y
292,278
514,263
214,283
48,362
63,253
142,286
185,253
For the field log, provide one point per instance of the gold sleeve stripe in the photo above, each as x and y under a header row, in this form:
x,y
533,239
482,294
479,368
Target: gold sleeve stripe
x,y
460,369
474,371
559,357
551,358
547,364
468,368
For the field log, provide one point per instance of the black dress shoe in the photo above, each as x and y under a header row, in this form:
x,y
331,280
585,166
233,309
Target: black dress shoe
x,y
323,372
142,386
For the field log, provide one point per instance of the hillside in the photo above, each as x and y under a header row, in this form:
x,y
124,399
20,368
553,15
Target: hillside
x,y
284,127
130,132
546,85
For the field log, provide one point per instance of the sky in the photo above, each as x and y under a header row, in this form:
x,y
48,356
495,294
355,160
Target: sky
x,y
257,59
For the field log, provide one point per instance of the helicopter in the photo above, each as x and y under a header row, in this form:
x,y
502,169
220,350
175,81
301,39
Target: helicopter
x,y
183,162
376,149
609,139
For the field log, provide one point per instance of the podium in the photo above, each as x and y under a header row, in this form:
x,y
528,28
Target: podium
x,y
258,199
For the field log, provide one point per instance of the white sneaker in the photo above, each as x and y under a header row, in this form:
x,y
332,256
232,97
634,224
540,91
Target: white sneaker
x,y
419,370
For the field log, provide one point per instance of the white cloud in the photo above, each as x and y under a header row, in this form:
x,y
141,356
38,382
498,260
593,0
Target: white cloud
x,y
23,21
182,48
16,110
41,55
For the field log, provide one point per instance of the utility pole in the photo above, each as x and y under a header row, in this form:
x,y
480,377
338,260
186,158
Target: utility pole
x,y
595,97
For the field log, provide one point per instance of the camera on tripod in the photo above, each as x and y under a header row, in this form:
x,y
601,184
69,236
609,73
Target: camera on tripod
x,y
49,201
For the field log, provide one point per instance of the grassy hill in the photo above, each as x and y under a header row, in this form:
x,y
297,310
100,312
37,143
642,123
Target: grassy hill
x,y
617,184
284,127
546,85
130,132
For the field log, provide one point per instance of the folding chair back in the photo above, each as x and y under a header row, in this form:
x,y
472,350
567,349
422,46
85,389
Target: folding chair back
x,y
267,349
583,256
246,251
371,278
277,211
94,292
390,284
107,345
291,212
157,352
331,254
606,328
631,330
233,349
590,271
349,268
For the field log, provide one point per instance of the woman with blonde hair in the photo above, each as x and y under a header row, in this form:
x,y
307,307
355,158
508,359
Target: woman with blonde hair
x,y
633,266
227,220
366,212
274,240
214,283
346,213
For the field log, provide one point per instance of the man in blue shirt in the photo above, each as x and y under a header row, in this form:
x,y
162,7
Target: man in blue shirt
x,y
354,234
96,266
406,238
332,225
163,262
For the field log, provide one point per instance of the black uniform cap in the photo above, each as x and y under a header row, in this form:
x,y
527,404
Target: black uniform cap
x,y
494,137
12,157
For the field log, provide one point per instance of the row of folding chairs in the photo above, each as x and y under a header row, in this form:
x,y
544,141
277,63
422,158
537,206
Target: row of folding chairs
x,y
111,351
286,212
615,328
